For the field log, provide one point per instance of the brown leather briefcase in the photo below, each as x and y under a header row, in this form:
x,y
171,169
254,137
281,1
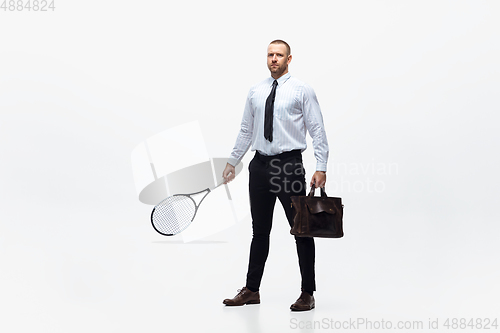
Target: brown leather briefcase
x,y
317,216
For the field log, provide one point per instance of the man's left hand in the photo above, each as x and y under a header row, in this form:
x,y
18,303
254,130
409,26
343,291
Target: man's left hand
x,y
319,179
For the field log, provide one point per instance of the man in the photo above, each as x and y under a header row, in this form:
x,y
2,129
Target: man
x,y
278,112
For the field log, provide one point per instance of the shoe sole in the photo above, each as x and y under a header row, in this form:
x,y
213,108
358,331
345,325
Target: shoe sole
x,y
249,302
294,309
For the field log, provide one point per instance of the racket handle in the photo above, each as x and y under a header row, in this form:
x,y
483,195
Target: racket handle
x,y
221,183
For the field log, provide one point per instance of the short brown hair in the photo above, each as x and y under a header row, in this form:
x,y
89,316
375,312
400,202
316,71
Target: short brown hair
x,y
279,41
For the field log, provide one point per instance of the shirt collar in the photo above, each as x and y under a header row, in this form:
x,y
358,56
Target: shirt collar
x,y
282,79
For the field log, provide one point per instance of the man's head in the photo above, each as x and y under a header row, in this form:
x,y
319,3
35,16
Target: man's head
x,y
278,58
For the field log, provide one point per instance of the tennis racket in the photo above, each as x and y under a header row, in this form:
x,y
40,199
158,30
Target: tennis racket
x,y
175,213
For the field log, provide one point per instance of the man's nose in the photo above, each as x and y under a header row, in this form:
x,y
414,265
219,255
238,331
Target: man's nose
x,y
275,58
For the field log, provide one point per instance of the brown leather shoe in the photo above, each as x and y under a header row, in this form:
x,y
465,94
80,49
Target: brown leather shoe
x,y
305,302
244,296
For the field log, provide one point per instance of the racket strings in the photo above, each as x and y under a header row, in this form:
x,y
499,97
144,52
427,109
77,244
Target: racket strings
x,y
174,214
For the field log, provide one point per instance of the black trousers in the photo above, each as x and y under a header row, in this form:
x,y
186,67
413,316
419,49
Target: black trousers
x,y
280,176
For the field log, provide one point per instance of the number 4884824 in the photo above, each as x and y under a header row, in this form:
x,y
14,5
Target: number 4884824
x,y
27,5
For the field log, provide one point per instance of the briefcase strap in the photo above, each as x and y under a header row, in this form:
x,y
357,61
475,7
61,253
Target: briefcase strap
x,y
313,188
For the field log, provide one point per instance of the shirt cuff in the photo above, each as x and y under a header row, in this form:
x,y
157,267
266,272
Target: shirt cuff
x,y
233,161
319,167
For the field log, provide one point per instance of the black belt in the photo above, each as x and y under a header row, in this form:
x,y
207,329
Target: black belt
x,y
282,156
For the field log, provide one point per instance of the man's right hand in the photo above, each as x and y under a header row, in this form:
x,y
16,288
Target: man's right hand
x,y
229,173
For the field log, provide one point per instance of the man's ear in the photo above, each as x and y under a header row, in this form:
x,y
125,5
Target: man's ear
x,y
289,60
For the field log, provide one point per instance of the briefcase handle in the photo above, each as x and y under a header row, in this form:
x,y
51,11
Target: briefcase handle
x,y
313,188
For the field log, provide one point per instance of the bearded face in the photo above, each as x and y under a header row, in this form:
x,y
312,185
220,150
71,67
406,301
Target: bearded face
x,y
277,60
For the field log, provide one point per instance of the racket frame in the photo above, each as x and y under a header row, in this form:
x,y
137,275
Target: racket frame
x,y
195,209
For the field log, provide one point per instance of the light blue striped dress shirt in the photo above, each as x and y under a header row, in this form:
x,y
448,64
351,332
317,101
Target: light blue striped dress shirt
x,y
296,111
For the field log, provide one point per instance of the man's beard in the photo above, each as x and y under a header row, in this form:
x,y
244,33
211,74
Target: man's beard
x,y
278,70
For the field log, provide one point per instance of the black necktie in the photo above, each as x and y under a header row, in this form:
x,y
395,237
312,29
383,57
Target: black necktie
x,y
268,119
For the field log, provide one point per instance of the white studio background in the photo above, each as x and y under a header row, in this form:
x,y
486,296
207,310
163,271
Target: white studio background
x,y
409,93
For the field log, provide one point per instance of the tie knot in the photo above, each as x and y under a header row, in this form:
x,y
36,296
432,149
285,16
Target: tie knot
x,y
275,83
